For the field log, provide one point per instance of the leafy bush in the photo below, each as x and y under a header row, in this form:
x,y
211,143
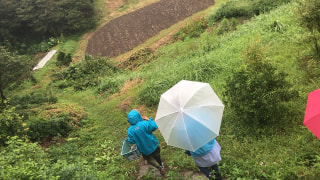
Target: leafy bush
x,y
191,30
262,6
244,8
234,8
63,59
10,124
32,100
85,73
233,23
310,65
24,160
257,92
137,59
202,70
40,128
277,26
109,85
224,26
150,95
57,119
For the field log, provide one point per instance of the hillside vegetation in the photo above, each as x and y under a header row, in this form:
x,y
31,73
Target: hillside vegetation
x,y
68,120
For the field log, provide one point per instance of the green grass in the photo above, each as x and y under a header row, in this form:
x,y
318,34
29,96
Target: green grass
x,y
288,154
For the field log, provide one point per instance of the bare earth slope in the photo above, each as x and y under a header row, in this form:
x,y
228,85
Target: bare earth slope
x,y
128,31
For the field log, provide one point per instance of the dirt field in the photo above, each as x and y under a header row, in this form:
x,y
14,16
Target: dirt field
x,y
124,33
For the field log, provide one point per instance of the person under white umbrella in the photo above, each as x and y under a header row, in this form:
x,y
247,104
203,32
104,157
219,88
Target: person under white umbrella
x,y
189,117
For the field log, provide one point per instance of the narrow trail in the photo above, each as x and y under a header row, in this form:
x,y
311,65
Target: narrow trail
x,y
44,60
145,168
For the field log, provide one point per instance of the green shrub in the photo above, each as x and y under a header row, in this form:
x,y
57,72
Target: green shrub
x,y
24,160
277,26
109,86
310,65
234,8
244,8
202,70
191,30
85,73
63,59
224,26
40,128
54,120
61,84
143,56
150,95
262,6
257,92
10,124
233,23
31,100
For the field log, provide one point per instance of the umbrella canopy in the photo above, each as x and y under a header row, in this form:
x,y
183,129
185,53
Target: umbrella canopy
x,y
312,115
189,115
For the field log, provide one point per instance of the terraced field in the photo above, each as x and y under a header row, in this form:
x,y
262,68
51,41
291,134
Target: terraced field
x,y
124,33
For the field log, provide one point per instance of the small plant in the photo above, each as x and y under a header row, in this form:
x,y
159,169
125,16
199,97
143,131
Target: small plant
x,y
311,67
277,26
109,86
191,30
233,23
138,58
224,26
150,95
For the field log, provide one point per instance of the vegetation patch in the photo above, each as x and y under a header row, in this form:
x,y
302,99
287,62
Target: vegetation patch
x,y
55,120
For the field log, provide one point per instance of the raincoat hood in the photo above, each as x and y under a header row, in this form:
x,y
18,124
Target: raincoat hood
x,y
134,117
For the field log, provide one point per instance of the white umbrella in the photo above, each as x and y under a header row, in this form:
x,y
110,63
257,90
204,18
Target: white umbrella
x,y
189,115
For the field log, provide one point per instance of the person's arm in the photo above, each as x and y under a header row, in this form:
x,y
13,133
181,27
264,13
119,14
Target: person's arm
x,y
152,126
131,138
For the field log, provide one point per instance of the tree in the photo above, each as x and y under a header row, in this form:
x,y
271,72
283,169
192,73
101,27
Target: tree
x,y
12,67
25,21
257,92
309,15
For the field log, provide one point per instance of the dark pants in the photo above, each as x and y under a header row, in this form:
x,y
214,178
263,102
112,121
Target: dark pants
x,y
154,158
207,171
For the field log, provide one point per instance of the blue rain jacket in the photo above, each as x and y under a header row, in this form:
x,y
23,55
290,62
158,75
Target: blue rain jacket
x,y
140,132
205,149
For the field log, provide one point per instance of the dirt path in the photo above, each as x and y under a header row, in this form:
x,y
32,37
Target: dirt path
x,y
145,168
45,59
130,30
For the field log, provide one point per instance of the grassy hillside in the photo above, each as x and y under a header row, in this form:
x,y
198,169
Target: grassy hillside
x,y
93,151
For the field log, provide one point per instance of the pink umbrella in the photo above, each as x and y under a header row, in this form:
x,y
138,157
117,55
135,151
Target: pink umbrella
x,y
312,115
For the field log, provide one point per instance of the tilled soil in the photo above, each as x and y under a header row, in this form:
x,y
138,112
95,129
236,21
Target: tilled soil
x,y
124,33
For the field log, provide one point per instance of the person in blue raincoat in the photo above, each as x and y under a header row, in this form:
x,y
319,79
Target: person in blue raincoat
x,y
140,133
206,158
